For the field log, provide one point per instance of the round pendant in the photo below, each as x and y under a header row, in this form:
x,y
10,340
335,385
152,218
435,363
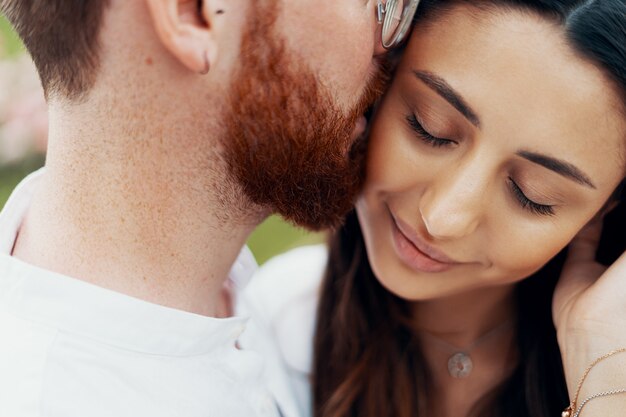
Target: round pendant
x,y
460,365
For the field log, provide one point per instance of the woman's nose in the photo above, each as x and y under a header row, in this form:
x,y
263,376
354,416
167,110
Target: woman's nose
x,y
453,207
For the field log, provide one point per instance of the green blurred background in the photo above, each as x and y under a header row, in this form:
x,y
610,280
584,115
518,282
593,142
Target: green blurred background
x,y
272,237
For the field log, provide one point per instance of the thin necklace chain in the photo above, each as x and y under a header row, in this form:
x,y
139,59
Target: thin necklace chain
x,y
570,409
454,349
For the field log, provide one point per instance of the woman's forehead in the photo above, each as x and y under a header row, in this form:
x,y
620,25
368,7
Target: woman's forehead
x,y
526,84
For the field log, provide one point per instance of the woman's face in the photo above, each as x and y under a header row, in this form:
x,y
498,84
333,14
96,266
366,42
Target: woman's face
x,y
494,146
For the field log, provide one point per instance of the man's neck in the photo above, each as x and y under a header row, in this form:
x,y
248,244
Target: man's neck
x,y
142,209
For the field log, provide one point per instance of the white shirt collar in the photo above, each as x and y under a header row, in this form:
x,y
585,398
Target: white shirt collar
x,y
75,306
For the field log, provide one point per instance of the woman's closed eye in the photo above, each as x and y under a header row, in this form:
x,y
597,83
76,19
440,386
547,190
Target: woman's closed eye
x,y
437,142
527,203
423,134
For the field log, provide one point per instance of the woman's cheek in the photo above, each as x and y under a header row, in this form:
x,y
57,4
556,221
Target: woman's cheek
x,y
535,251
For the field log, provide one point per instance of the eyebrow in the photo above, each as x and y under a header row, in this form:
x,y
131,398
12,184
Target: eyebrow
x,y
560,167
441,87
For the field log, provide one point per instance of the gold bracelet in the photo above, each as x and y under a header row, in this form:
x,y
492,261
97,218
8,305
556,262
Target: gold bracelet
x,y
599,395
569,411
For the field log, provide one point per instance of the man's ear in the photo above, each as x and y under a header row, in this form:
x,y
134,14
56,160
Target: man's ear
x,y
379,49
187,29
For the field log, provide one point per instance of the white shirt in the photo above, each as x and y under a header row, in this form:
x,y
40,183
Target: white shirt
x,y
72,349
282,301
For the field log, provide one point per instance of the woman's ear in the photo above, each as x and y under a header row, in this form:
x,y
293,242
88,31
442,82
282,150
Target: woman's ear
x,y
187,30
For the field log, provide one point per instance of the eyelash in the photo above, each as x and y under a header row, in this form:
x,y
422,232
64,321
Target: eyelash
x,y
425,136
525,202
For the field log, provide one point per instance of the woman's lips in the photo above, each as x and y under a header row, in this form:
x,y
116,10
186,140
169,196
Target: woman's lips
x,y
416,253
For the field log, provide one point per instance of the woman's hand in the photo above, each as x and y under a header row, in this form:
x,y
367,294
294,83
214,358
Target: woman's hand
x,y
589,311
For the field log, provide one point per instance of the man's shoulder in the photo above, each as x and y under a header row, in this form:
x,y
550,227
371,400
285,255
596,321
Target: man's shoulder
x,y
281,301
283,295
288,278
46,369
24,353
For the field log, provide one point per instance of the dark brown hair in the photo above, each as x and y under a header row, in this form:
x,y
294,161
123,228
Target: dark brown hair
x,y
367,361
62,39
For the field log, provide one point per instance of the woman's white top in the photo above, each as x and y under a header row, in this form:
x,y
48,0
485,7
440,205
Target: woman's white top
x,y
72,349
282,301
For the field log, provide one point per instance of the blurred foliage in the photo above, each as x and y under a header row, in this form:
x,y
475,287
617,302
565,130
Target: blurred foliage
x,y
275,236
9,42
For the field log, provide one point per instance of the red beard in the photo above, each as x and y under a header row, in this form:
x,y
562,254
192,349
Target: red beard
x,y
288,144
